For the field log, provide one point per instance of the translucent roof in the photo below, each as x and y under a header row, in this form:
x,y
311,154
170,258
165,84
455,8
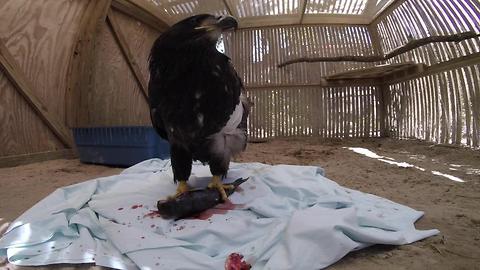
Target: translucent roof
x,y
252,13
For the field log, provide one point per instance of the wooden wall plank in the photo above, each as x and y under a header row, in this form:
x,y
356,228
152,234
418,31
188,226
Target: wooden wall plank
x,y
127,53
40,35
143,11
82,58
23,86
22,131
115,98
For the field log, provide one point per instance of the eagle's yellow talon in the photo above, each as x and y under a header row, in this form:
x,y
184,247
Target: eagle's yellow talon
x,y
217,183
181,188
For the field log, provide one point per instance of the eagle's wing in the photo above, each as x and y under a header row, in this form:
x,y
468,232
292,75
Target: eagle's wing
x,y
155,112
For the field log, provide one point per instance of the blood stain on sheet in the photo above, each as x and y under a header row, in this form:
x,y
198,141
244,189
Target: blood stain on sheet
x,y
121,208
152,214
137,206
220,209
152,226
235,262
143,237
240,190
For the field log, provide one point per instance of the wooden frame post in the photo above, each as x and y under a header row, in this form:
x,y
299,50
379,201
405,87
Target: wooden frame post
x,y
384,98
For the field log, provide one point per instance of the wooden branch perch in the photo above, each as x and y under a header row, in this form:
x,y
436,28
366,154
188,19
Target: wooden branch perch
x,y
411,45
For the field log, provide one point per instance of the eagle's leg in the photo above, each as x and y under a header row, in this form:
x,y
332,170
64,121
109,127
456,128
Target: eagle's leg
x,y
182,168
182,187
219,168
217,183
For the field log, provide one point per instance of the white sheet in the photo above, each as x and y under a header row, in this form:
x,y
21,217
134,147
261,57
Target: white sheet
x,y
286,217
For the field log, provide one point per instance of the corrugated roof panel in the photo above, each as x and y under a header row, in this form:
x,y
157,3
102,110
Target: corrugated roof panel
x,y
176,10
253,8
345,7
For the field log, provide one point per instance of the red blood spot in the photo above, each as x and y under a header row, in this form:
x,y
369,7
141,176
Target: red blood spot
x,y
235,262
135,206
152,226
227,205
121,208
219,209
152,214
143,237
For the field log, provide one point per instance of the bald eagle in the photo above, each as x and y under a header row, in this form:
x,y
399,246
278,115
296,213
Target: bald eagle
x,y
197,99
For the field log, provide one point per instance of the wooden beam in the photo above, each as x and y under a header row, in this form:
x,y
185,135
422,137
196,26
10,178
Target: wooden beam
x,y
229,9
375,39
464,61
81,71
377,58
385,11
308,19
127,53
378,72
12,161
303,9
370,8
19,80
321,83
143,11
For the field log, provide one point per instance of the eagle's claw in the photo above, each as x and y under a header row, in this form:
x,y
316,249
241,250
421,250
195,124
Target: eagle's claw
x,y
217,183
181,188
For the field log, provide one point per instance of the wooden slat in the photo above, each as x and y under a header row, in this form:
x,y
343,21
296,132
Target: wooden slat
x,y
462,81
302,9
127,53
476,102
19,80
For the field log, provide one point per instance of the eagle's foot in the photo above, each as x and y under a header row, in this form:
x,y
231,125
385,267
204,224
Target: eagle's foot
x,y
181,188
217,183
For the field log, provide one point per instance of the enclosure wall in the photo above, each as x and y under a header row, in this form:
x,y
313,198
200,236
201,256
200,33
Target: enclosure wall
x,y
39,37
70,63
118,93
290,101
443,105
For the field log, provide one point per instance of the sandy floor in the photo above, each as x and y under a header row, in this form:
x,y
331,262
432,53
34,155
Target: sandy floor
x,y
452,207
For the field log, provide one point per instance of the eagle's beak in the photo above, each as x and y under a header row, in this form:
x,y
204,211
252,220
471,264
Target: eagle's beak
x,y
226,23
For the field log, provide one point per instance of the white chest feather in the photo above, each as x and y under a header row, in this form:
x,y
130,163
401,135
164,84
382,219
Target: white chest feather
x,y
234,120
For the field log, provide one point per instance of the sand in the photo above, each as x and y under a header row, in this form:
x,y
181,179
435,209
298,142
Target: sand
x,y
451,206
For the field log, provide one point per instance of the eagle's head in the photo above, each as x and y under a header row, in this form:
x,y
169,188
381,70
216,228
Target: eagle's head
x,y
199,29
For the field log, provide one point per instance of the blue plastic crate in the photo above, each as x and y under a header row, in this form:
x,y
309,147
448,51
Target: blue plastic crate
x,y
119,146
